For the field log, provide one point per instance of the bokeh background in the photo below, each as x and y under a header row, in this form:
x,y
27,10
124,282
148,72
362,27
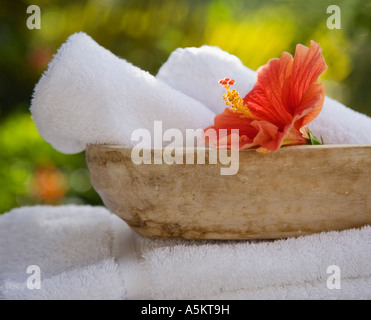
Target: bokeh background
x,y
145,33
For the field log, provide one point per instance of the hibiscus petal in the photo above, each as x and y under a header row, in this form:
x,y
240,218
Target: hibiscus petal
x,y
290,136
230,120
312,101
308,65
311,105
266,132
265,99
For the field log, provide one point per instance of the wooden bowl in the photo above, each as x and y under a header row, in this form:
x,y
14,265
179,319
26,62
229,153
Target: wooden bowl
x,y
295,191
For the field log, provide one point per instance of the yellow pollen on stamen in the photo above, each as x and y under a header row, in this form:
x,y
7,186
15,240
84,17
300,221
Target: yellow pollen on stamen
x,y
235,102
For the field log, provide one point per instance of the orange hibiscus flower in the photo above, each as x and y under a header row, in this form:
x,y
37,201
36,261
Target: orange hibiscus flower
x,y
285,98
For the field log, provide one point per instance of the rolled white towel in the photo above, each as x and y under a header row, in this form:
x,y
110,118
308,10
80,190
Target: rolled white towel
x,y
197,71
89,95
338,124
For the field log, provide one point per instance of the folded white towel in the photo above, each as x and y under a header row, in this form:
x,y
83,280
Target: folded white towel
x,y
70,244
89,95
197,71
86,252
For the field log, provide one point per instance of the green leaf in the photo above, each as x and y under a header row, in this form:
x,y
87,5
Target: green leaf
x,y
314,140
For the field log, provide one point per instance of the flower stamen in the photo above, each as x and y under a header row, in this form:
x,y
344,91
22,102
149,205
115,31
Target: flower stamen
x,y
233,100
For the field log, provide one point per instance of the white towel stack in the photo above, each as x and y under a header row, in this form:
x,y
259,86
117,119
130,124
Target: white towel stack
x,y
88,95
86,252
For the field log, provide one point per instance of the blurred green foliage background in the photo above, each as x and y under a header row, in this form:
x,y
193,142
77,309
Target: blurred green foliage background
x,y
145,33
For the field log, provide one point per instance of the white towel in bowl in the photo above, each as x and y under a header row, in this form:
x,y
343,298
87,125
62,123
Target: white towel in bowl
x,y
197,71
89,95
